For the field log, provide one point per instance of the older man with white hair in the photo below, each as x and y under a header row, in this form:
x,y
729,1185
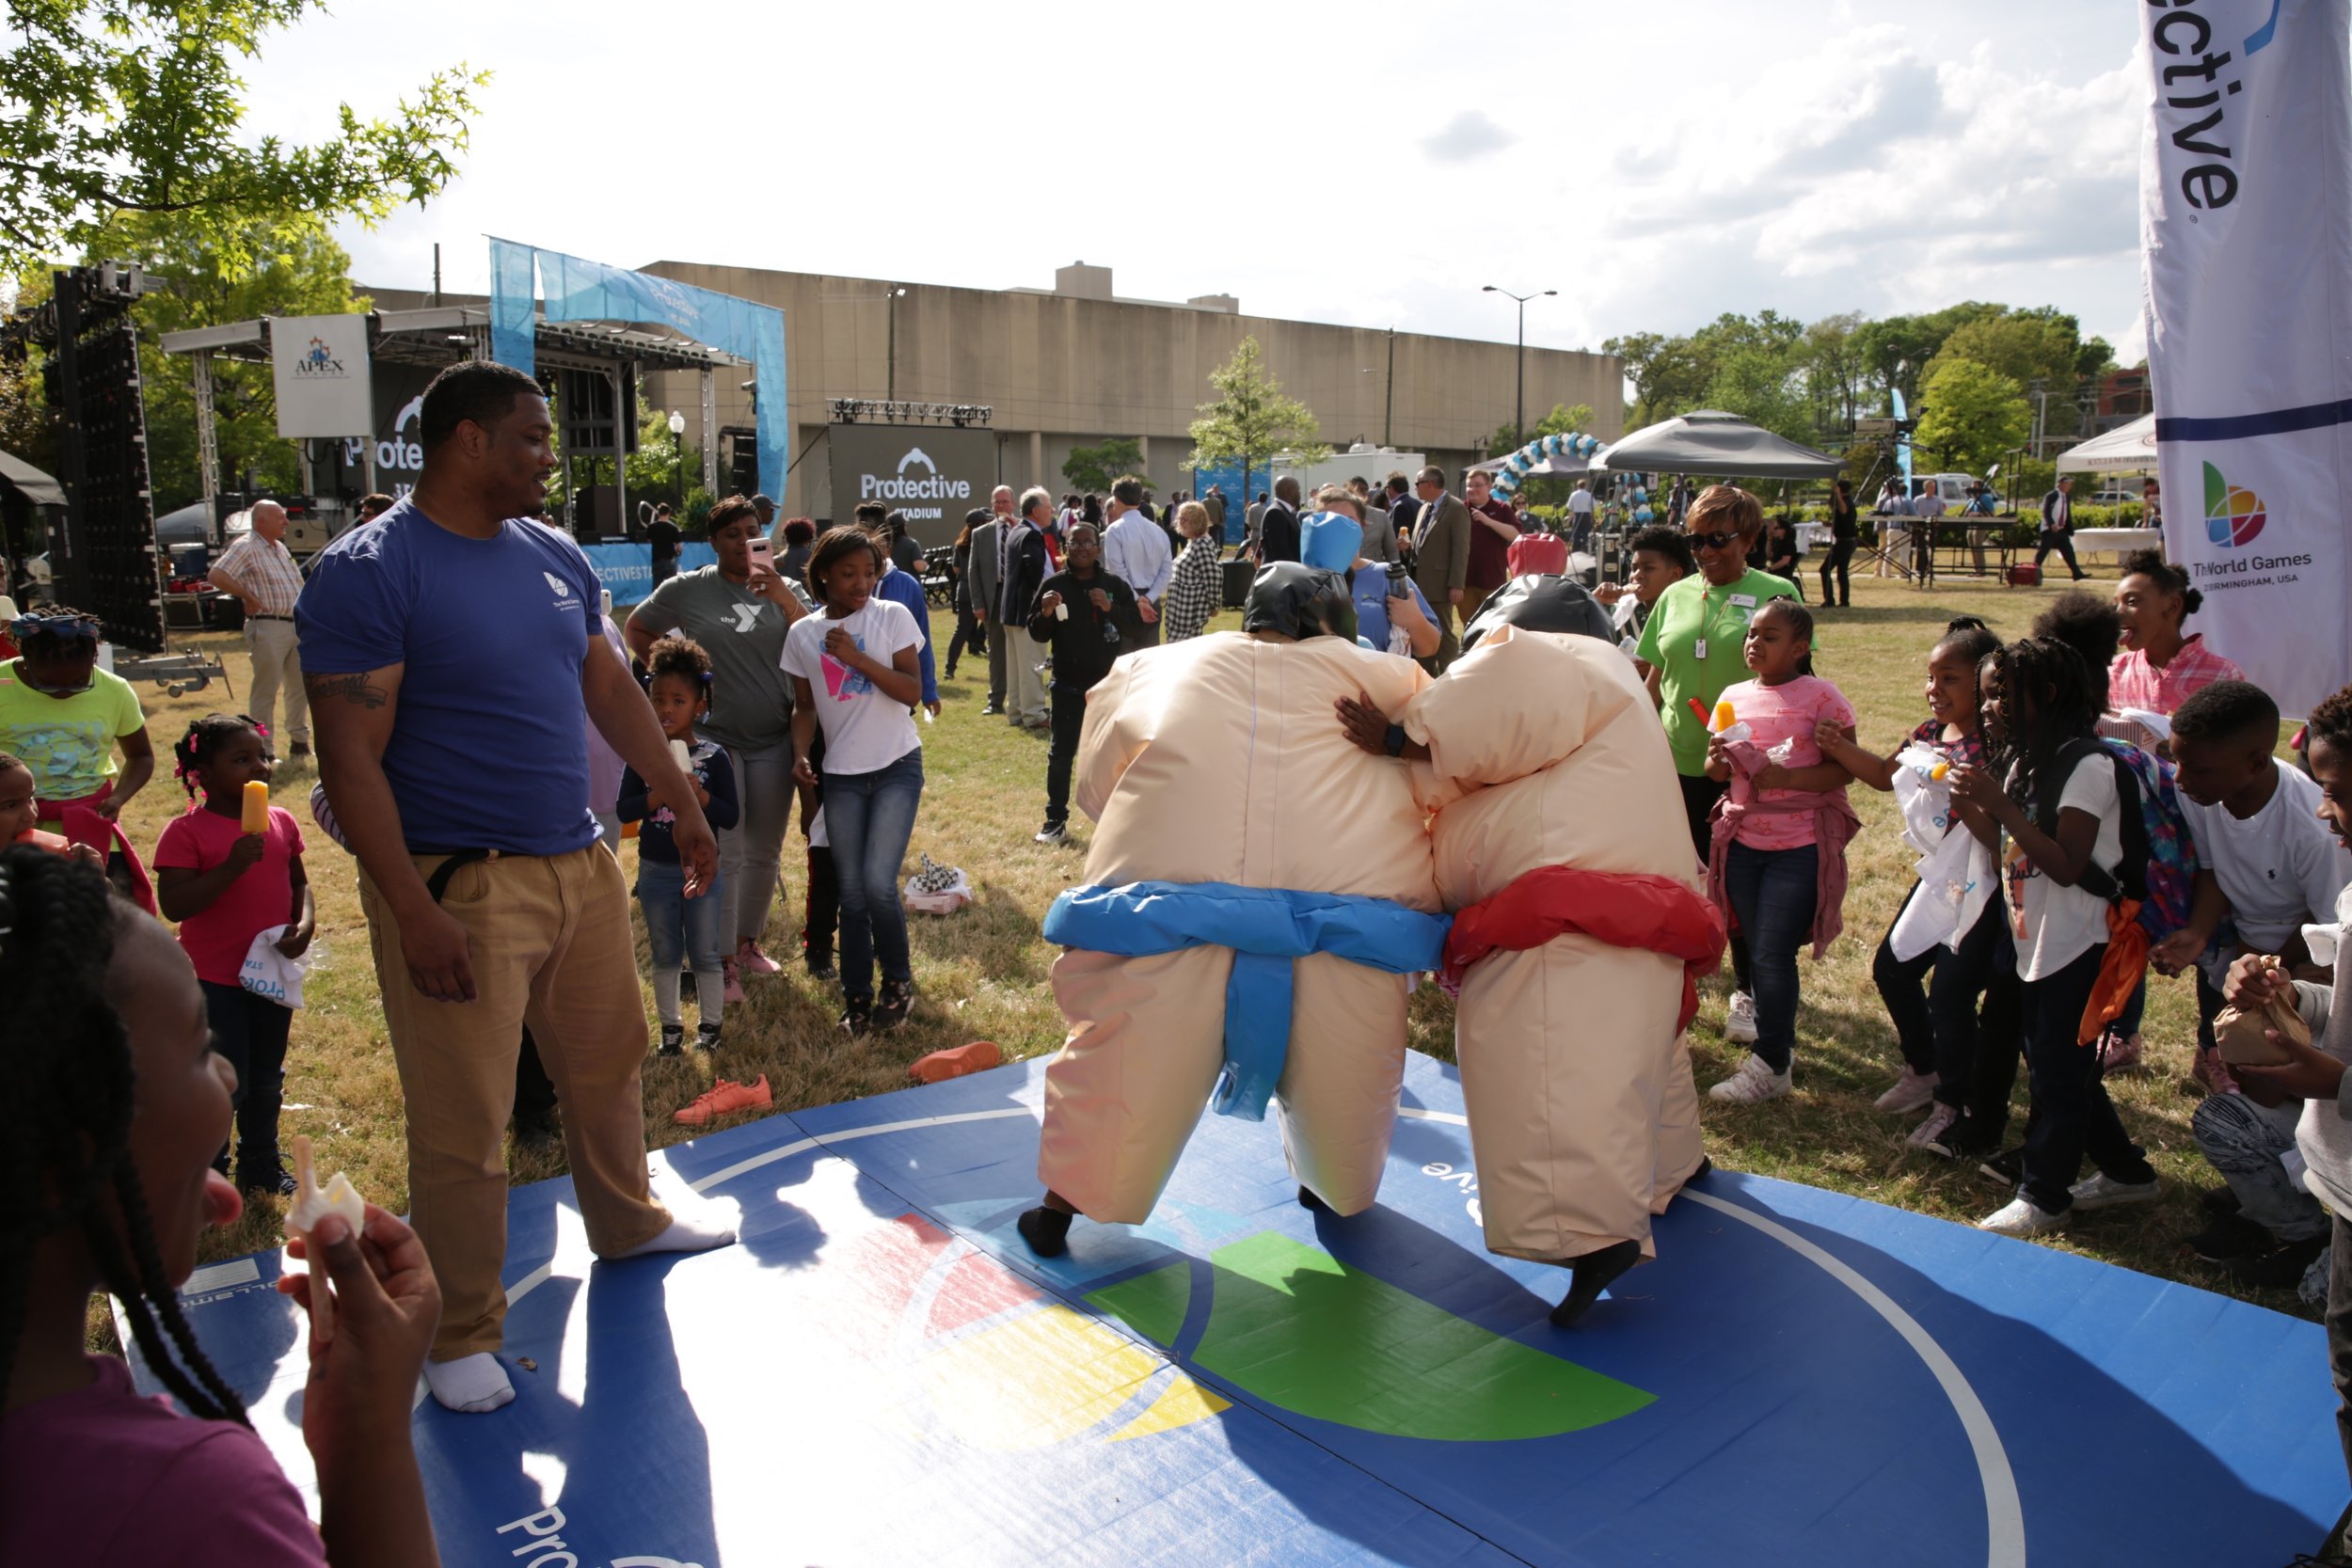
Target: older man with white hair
x,y
1023,566
260,572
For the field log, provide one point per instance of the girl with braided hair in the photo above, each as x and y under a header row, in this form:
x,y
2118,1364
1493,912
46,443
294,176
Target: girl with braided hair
x,y
2052,789
116,1103
227,888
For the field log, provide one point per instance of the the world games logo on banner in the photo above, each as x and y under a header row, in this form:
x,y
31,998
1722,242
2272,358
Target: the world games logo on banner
x,y
319,366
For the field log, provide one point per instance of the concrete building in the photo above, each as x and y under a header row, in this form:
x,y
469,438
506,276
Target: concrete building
x,y
1076,364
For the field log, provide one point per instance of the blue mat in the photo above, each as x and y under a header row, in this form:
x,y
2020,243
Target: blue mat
x,y
881,1373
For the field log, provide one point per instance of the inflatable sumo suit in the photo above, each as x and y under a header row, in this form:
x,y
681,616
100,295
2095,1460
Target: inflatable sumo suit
x,y
1233,813
1560,841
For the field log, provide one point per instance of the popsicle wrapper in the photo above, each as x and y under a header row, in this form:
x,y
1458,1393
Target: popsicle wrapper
x,y
338,1196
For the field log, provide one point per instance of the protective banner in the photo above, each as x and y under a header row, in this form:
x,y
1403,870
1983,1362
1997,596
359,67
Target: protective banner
x,y
932,475
320,364
591,291
625,571
2248,283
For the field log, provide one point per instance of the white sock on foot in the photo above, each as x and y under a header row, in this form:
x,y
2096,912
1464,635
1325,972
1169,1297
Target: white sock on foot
x,y
681,1236
471,1384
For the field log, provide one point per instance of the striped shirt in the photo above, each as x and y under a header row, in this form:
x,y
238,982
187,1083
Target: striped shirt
x,y
2133,682
264,569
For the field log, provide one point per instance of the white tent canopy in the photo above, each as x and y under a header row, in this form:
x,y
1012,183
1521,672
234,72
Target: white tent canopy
x,y
2122,449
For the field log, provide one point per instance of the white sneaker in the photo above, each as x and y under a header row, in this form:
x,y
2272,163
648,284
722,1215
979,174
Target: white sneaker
x,y
2101,1191
1754,1083
2019,1217
1930,1134
1911,1091
1739,1019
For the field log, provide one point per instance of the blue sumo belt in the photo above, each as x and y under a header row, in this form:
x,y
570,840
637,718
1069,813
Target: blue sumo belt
x,y
1267,928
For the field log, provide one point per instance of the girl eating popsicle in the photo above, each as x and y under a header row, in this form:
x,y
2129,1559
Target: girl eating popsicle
x,y
227,872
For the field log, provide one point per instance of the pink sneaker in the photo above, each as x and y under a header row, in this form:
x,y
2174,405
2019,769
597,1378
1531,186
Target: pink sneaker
x,y
2121,1052
733,992
749,960
724,1098
2213,1072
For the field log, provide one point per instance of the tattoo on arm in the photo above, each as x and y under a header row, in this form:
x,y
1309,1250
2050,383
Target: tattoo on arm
x,y
357,690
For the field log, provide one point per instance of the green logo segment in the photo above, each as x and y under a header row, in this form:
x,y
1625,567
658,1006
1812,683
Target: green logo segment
x,y
1297,1328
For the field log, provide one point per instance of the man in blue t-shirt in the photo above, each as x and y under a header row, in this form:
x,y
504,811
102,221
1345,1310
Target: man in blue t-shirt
x,y
453,654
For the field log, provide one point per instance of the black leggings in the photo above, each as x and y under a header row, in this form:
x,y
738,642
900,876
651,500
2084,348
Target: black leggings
x,y
1840,553
1938,1025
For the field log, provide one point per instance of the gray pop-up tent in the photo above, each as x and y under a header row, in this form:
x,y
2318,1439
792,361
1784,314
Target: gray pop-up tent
x,y
1713,442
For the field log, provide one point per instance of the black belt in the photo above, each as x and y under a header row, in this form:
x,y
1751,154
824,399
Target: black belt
x,y
269,617
457,861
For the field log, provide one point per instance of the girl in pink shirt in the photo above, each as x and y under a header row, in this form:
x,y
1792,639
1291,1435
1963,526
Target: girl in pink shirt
x,y
1778,859
225,887
115,1104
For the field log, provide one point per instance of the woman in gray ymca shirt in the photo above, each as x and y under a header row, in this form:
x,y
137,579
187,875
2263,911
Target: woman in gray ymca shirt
x,y
738,611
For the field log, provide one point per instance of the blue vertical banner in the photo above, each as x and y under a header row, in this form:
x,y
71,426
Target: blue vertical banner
x,y
578,289
1228,478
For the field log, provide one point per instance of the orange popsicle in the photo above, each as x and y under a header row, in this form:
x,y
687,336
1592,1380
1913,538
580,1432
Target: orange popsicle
x,y
256,805
1724,718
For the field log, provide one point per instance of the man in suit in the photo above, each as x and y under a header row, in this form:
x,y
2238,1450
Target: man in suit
x,y
1403,509
1215,501
1277,530
1022,565
1253,525
1441,541
988,591
2058,528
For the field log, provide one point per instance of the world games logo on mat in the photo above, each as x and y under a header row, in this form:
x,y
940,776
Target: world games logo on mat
x,y
2234,516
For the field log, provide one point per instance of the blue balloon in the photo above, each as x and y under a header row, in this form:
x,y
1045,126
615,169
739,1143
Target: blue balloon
x,y
1642,515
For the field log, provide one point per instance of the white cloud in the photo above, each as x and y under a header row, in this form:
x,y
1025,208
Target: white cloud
x,y
1467,136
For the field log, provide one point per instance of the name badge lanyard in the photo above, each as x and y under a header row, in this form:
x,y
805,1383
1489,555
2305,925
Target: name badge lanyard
x,y
1706,618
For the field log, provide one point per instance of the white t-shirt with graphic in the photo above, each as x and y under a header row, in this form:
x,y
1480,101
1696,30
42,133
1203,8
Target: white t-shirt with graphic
x,y
2058,925
864,730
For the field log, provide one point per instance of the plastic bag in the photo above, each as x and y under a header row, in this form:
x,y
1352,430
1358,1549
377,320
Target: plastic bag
x,y
1923,793
938,889
270,974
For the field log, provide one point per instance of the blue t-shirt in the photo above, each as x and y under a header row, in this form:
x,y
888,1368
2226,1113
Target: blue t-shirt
x,y
489,746
1369,586
903,589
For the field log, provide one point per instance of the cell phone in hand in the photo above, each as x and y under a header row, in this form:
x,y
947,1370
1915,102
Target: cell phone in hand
x,y
763,551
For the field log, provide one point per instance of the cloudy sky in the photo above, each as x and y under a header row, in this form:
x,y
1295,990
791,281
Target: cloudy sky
x,y
1656,163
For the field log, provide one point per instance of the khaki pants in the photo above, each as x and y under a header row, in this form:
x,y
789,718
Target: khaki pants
x,y
1026,701
551,950
278,661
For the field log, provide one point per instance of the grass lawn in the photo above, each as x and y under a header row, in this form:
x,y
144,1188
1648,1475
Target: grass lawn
x,y
982,975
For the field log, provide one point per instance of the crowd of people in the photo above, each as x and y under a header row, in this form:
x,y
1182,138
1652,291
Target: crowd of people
x,y
2107,788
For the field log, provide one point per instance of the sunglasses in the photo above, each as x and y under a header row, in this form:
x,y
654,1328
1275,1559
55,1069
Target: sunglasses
x,y
1716,541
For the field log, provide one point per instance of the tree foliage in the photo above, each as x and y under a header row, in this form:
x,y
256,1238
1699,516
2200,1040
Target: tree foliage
x,y
1249,422
1096,468
111,107
288,266
1970,415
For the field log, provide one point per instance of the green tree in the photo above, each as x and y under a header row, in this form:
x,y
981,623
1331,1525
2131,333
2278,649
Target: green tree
x,y
286,266
1970,415
1250,421
1096,468
112,107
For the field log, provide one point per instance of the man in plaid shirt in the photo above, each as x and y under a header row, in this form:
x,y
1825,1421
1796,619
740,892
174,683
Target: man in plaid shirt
x,y
260,572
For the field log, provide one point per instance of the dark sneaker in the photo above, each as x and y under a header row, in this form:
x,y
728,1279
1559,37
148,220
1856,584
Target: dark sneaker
x,y
2007,1167
2231,1237
706,1036
857,1019
2276,1268
2217,1201
1052,832
268,1177
820,967
673,1041
892,1007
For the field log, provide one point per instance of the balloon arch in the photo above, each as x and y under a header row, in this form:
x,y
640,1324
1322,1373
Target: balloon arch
x,y
1571,444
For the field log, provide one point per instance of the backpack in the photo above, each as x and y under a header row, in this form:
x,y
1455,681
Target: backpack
x,y
2159,864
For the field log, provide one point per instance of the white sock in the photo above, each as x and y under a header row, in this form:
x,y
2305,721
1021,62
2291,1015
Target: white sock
x,y
682,1236
471,1384
710,994
665,997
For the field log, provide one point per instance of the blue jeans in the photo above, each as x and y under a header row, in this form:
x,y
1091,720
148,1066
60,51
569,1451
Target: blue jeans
x,y
869,818
1772,893
679,929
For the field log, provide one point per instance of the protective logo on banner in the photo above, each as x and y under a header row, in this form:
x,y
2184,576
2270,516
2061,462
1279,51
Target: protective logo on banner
x,y
2233,514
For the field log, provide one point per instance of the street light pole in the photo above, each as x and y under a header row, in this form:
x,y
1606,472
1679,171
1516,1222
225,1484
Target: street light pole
x,y
1388,410
891,293
1519,413
678,453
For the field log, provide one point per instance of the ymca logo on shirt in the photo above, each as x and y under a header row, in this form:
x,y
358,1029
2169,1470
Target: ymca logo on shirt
x,y
564,596
746,616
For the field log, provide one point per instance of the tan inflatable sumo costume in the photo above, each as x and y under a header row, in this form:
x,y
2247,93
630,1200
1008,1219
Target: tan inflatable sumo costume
x,y
1561,843
1213,768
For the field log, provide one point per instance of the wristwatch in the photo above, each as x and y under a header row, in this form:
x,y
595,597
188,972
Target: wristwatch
x,y
1394,745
